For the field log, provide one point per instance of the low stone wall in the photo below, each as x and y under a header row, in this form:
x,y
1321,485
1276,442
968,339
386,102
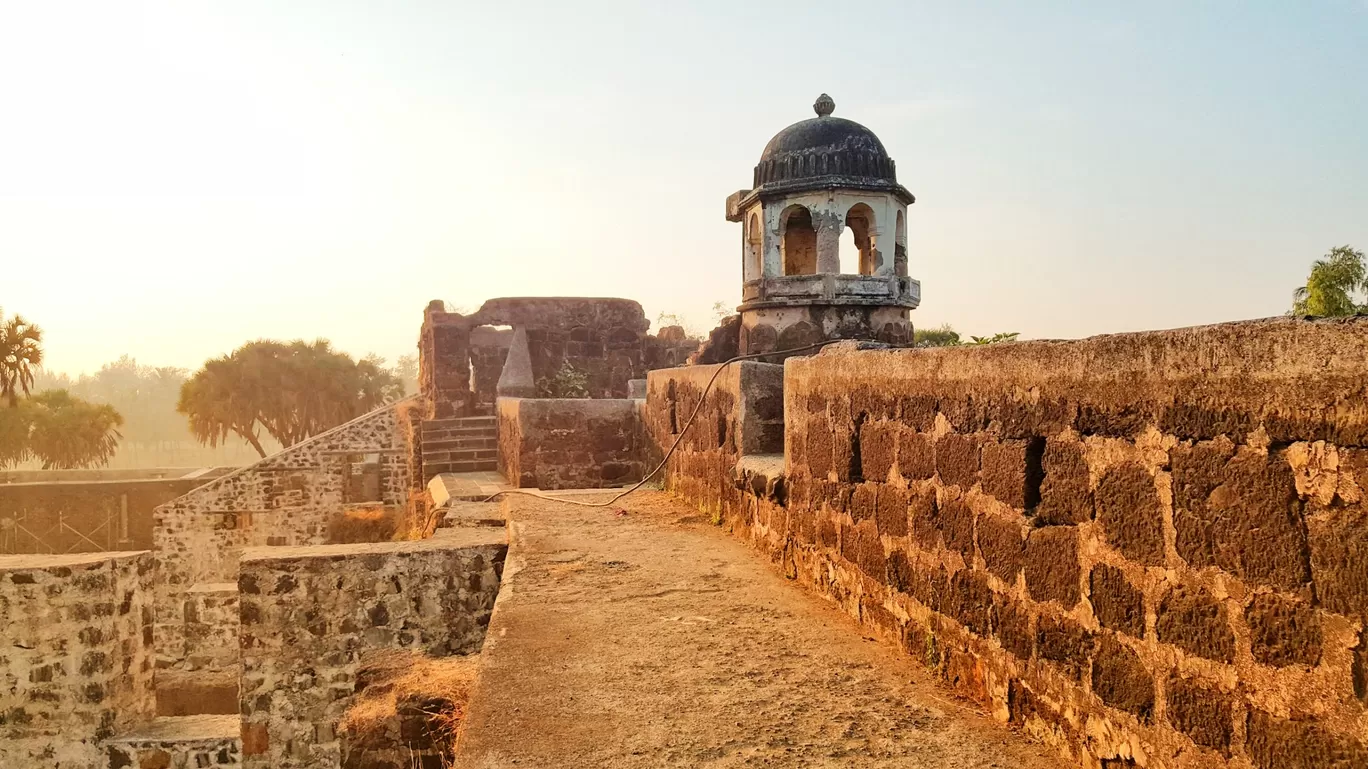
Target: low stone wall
x,y
310,614
287,499
1146,550
558,443
76,662
741,415
66,511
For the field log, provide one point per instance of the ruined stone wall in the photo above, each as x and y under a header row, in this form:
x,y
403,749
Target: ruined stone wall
x,y
287,499
488,350
310,614
603,338
70,516
76,663
1146,550
558,443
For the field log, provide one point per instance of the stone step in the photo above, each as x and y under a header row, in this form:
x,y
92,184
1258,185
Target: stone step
x,y
459,422
436,468
463,442
180,741
460,455
451,435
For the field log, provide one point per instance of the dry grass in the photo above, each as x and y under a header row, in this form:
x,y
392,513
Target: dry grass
x,y
397,682
420,519
362,524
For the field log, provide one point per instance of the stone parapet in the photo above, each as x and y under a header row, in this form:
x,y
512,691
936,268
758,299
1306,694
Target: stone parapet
x,y
309,614
562,443
1144,549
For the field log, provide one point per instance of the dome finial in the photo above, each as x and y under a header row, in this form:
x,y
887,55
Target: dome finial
x,y
824,106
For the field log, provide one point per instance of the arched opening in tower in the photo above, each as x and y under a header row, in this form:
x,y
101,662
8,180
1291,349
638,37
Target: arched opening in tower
x,y
754,269
798,241
857,248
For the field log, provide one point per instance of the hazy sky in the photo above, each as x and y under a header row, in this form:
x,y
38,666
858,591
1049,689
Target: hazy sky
x,y
178,178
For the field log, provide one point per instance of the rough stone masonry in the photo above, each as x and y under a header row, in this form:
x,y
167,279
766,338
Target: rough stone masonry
x,y
76,665
1147,550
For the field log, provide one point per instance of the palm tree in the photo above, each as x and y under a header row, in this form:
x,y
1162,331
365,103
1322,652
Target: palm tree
x,y
1332,284
20,353
69,433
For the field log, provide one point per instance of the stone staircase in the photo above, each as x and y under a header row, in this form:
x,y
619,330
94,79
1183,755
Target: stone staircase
x,y
459,445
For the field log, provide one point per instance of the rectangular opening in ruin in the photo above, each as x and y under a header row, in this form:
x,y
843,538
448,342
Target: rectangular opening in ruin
x,y
362,478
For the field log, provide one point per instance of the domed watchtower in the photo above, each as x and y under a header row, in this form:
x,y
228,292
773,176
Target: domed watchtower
x,y
814,179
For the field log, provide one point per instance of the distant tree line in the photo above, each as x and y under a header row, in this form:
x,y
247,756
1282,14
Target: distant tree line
x,y
243,405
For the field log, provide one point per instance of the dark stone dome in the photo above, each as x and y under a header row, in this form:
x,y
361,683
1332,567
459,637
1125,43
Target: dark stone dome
x,y
825,146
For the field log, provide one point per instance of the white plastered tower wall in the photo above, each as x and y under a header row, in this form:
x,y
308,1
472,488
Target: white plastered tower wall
x,y
827,174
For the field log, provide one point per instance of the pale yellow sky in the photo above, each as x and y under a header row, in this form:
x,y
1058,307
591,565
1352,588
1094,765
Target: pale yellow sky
x,y
178,178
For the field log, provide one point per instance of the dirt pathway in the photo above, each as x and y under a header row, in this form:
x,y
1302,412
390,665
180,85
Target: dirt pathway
x,y
652,639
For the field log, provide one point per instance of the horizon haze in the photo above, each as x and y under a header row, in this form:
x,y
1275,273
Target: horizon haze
x,y
179,178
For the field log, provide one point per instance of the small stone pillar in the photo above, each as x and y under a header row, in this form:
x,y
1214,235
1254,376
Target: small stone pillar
x,y
829,228
517,381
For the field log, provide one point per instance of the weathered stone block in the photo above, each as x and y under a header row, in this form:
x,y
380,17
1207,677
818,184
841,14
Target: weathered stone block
x,y
878,443
957,460
1002,545
916,455
1283,630
1339,558
971,600
1065,492
1121,679
820,446
891,515
900,575
1117,604
1120,420
1013,627
1129,508
919,410
864,501
1004,471
924,518
1239,513
1201,712
957,526
1052,568
1065,643
1195,621
861,546
1276,743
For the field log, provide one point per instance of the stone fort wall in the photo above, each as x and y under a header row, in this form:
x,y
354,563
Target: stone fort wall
x,y
287,499
1146,550
53,512
76,666
311,614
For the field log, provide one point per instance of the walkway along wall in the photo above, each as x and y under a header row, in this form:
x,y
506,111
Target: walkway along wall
x,y
1146,549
